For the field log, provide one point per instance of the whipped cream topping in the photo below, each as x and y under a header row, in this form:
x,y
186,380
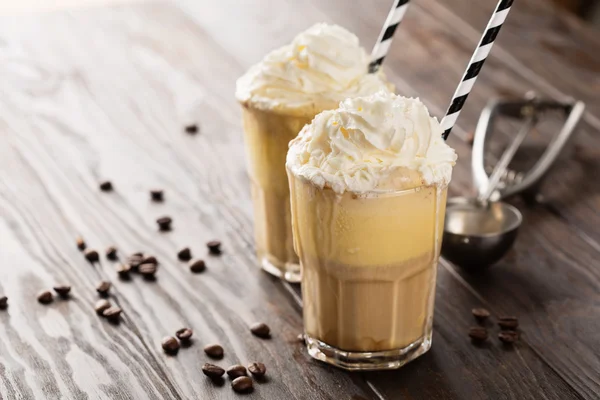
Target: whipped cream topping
x,y
321,67
378,142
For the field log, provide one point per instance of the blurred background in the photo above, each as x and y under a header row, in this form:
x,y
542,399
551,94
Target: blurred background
x,y
588,10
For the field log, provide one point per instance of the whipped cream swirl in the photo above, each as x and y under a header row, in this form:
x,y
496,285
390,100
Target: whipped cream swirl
x,y
321,67
378,142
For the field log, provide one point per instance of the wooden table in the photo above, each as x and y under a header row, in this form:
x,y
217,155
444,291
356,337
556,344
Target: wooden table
x,y
104,93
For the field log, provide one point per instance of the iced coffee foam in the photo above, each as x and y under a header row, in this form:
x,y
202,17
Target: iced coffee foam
x,y
379,142
321,67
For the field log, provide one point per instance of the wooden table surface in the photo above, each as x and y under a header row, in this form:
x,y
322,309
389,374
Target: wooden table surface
x,y
103,93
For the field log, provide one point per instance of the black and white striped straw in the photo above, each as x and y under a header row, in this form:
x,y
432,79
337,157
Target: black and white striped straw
x,y
387,33
481,52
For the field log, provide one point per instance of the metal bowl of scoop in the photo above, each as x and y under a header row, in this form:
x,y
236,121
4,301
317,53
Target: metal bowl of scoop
x,y
477,236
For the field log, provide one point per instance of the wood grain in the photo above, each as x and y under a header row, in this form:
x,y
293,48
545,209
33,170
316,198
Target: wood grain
x,y
104,94
75,124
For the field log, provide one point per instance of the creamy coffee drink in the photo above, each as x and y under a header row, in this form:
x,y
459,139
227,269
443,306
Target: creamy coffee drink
x,y
279,95
368,190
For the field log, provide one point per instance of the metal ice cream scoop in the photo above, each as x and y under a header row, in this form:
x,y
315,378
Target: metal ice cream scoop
x,y
479,231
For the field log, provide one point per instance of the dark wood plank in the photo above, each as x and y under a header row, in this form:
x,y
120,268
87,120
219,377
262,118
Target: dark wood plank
x,y
542,44
389,385
75,116
105,96
566,250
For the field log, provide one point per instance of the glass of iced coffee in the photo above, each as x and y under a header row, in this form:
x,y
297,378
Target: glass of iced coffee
x,y
322,66
368,191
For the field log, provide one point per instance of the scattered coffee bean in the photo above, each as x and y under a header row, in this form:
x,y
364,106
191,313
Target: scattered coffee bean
x,y
508,322
92,256
508,336
164,223
112,313
198,266
214,351
103,288
106,186
481,314
148,271
80,243
62,290
236,370
478,333
170,345
3,303
101,306
243,384
123,270
135,260
184,254
261,330
257,369
156,195
184,334
212,371
111,253
214,247
45,297
192,128
300,338
150,260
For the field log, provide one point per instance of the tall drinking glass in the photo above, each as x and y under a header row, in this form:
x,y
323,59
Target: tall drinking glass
x,y
369,270
267,134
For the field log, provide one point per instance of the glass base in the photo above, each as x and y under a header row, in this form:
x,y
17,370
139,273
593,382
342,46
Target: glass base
x,y
287,271
367,361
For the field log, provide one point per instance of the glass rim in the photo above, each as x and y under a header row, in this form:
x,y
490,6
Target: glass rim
x,y
377,193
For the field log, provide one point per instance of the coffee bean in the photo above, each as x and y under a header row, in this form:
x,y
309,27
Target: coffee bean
x,y
192,128
62,290
111,253
156,195
92,256
508,337
3,303
184,254
123,270
197,266
257,369
103,288
243,384
135,260
261,330
45,297
101,306
481,314
214,247
300,338
164,223
148,271
236,370
138,254
170,345
212,371
112,313
106,186
214,351
184,334
80,243
150,260
478,333
508,322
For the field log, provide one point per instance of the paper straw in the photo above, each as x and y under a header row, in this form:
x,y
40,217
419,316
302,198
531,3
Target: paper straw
x,y
479,56
387,33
